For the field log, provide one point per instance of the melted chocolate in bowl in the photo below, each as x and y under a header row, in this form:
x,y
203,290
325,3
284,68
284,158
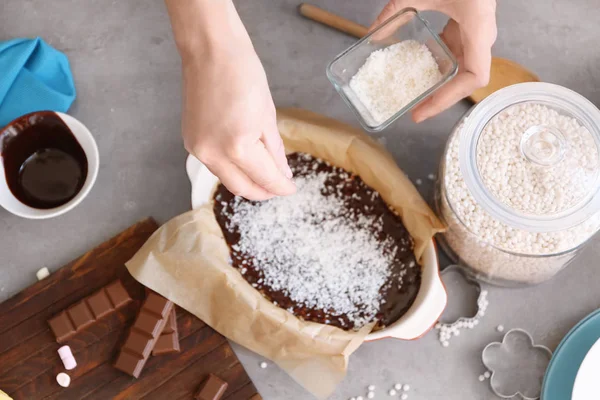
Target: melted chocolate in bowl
x,y
360,212
44,164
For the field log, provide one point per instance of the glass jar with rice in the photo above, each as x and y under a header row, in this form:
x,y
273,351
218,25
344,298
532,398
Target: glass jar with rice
x,y
519,184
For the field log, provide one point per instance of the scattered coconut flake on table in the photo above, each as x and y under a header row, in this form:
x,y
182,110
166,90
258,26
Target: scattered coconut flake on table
x,y
393,77
393,391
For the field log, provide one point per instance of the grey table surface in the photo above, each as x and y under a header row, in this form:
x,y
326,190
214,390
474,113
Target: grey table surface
x,y
127,74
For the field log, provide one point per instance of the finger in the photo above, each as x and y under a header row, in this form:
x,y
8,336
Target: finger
x,y
390,9
274,145
394,6
237,182
458,88
477,39
256,162
451,36
384,30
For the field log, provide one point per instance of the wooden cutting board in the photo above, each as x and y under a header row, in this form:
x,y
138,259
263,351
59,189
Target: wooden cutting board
x,y
29,361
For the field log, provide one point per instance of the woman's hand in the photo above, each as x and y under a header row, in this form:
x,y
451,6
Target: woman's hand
x,y
228,116
469,34
229,124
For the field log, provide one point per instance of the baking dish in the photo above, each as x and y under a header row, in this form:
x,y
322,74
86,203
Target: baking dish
x,y
429,303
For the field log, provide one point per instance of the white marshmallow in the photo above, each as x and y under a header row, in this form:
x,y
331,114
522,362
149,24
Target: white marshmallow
x,y
63,379
67,357
42,273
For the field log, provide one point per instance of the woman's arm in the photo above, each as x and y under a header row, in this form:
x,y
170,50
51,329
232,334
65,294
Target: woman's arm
x,y
228,115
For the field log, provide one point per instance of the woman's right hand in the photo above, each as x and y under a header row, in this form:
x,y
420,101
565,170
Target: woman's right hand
x,y
469,34
228,116
229,124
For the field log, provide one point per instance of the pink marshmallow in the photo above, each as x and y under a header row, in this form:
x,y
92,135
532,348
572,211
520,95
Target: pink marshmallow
x,y
67,357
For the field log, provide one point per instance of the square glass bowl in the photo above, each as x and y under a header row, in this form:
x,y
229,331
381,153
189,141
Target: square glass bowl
x,y
405,25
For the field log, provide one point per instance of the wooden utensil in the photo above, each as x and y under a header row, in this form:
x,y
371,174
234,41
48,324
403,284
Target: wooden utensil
x,y
503,72
332,20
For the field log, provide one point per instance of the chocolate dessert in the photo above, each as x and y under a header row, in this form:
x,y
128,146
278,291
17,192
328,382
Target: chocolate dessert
x,y
333,253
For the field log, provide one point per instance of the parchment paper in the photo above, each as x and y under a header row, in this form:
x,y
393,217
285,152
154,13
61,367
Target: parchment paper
x,y
187,260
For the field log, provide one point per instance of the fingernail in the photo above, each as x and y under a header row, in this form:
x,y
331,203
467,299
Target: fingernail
x,y
288,172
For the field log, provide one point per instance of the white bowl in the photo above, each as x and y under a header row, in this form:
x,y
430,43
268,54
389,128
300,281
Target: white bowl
x,y
420,318
587,384
88,144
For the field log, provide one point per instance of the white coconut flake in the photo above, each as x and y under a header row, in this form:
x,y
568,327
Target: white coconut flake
x,y
315,249
394,76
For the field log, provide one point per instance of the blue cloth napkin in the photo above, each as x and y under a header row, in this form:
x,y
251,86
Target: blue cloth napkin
x,y
33,77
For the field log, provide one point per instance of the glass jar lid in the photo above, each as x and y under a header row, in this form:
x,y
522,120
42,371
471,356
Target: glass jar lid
x,y
530,156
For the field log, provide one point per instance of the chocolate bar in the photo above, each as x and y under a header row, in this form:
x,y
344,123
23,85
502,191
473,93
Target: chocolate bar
x,y
148,325
168,341
83,314
212,389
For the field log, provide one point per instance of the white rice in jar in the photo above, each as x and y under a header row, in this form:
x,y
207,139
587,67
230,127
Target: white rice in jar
x,y
492,249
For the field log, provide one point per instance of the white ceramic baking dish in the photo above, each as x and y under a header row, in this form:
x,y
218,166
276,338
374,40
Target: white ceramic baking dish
x,y
430,301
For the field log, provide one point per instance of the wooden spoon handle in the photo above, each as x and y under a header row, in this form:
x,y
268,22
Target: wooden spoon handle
x,y
334,21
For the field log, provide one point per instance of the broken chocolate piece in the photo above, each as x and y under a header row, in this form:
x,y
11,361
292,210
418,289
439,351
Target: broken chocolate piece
x,y
171,325
117,294
81,315
99,304
130,363
213,388
168,341
150,321
77,317
62,327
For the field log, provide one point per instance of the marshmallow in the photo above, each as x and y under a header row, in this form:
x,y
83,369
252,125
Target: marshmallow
x,y
63,379
42,273
67,357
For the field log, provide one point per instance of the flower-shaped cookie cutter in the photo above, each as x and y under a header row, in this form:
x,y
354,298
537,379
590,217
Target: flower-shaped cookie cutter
x,y
450,274
517,364
454,276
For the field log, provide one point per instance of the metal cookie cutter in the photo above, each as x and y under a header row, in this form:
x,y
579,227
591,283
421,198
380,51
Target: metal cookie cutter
x,y
454,276
517,365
